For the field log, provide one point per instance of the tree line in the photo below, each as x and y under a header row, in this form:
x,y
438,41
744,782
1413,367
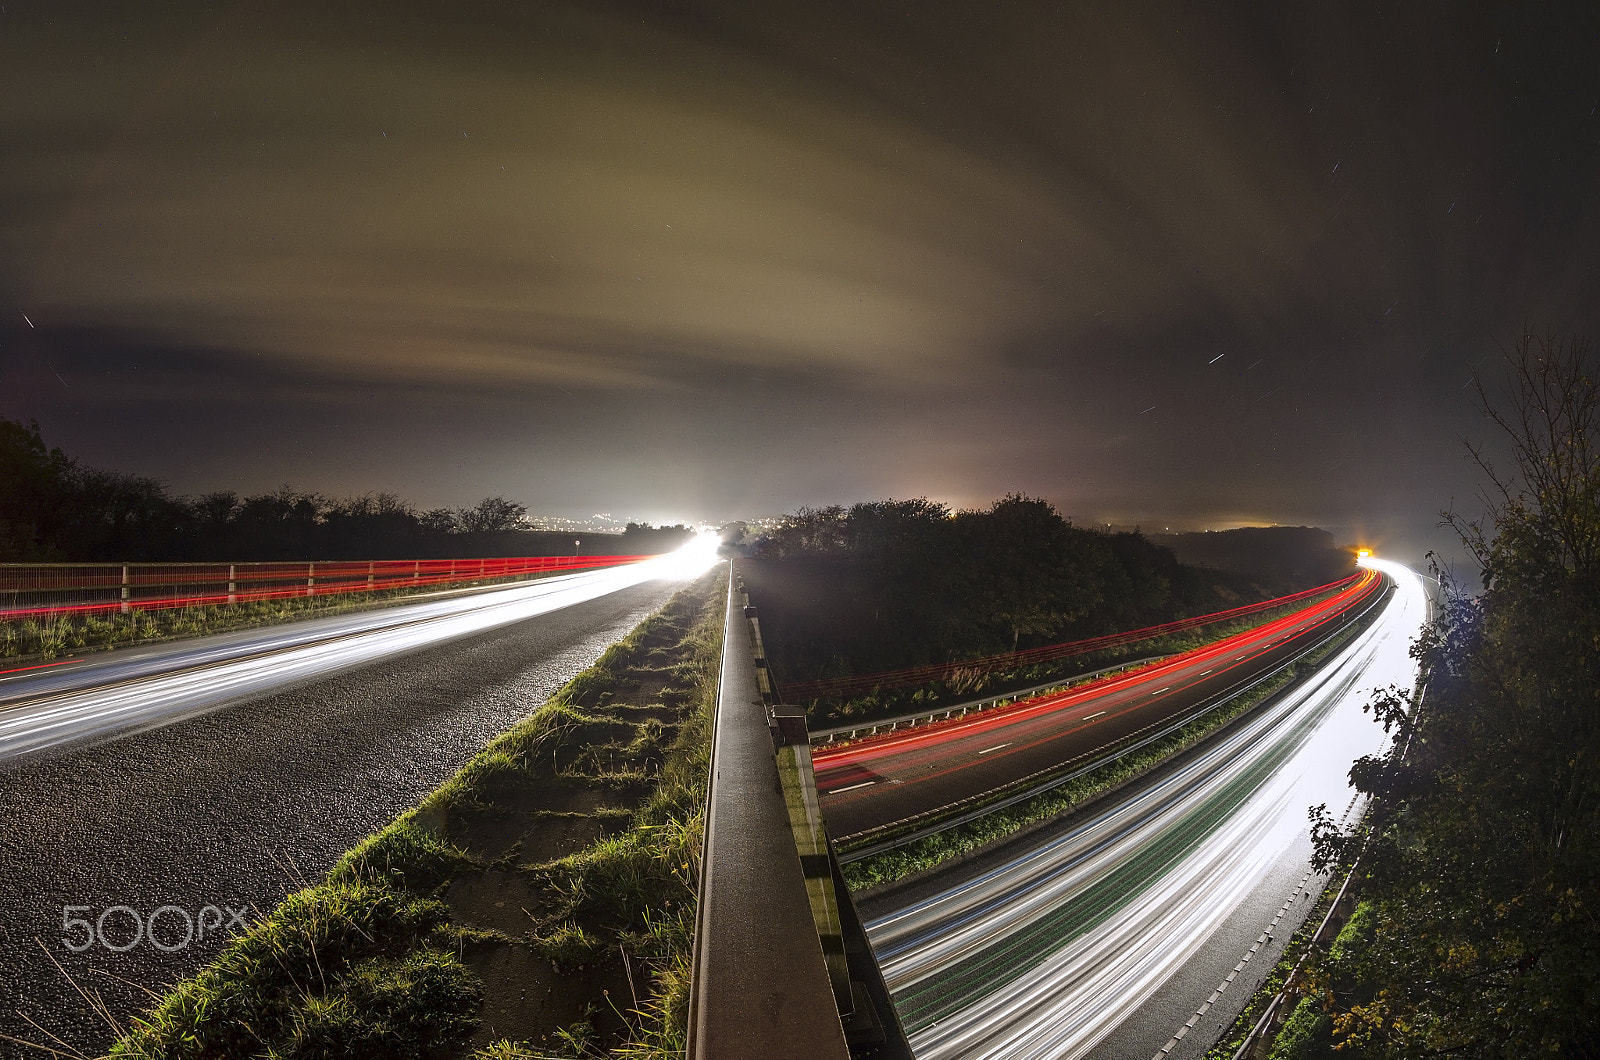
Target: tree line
x,y
1479,867
54,508
882,585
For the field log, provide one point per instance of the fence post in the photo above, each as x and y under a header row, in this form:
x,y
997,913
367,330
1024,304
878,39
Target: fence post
x,y
369,575
233,585
311,578
416,571
126,607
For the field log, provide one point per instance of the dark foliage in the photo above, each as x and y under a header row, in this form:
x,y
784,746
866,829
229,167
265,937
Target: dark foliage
x,y
1482,859
889,584
54,509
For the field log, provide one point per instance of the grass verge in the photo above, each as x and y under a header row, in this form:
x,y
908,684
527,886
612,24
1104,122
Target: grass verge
x,y
926,853
881,704
44,639
539,903
1303,1013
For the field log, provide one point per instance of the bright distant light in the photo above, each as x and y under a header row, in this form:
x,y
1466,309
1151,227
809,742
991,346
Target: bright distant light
x,y
693,559
1363,554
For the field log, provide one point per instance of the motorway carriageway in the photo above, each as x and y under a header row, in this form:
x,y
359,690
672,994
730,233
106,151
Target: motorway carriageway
x,y
876,782
1046,954
128,690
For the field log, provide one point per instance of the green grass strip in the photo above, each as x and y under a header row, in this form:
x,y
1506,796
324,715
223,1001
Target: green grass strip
x,y
882,869
33,639
1018,954
883,704
367,963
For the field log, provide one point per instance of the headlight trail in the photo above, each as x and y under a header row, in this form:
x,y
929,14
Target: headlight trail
x,y
136,690
871,784
1045,955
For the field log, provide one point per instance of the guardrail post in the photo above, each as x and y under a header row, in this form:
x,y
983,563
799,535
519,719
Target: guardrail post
x,y
233,585
369,575
311,578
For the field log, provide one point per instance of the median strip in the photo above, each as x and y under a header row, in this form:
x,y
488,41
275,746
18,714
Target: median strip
x,y
944,837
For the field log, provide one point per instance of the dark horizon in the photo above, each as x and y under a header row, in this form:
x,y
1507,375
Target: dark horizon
x,y
695,262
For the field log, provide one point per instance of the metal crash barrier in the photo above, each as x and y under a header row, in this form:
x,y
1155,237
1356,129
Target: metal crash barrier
x,y
48,590
782,967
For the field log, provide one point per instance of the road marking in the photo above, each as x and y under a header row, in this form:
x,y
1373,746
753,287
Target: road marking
x,y
1158,691
996,747
1208,671
863,784
1205,1006
1095,715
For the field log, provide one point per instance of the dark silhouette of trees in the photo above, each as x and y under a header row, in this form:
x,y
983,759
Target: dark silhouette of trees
x,y
31,477
1482,857
887,584
1292,552
492,515
1036,572
54,509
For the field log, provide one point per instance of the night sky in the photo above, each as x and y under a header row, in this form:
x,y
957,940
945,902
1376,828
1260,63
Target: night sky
x,y
1191,265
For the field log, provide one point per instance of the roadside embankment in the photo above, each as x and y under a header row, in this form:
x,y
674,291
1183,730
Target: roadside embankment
x,y
540,902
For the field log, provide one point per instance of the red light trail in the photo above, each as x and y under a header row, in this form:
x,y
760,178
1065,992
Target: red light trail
x,y
919,675
874,781
103,587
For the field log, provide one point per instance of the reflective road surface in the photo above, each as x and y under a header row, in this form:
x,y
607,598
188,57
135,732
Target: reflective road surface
x,y
1047,954
134,690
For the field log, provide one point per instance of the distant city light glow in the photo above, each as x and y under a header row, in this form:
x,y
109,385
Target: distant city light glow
x,y
693,559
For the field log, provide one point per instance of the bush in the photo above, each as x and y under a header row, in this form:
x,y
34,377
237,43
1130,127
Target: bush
x,y
1306,1034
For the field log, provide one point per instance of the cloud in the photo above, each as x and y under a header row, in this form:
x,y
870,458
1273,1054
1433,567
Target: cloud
x,y
375,215
948,248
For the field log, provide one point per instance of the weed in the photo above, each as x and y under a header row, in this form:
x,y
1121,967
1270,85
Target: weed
x,y
344,968
569,946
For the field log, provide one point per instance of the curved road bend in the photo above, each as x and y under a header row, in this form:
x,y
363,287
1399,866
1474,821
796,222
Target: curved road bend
x,y
889,778
236,807
1098,936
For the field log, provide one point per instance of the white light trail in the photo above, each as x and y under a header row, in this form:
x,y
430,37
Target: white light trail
x,y
147,689
1046,955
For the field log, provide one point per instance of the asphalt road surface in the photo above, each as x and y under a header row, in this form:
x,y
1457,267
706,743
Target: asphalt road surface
x,y
1097,936
896,776
224,795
